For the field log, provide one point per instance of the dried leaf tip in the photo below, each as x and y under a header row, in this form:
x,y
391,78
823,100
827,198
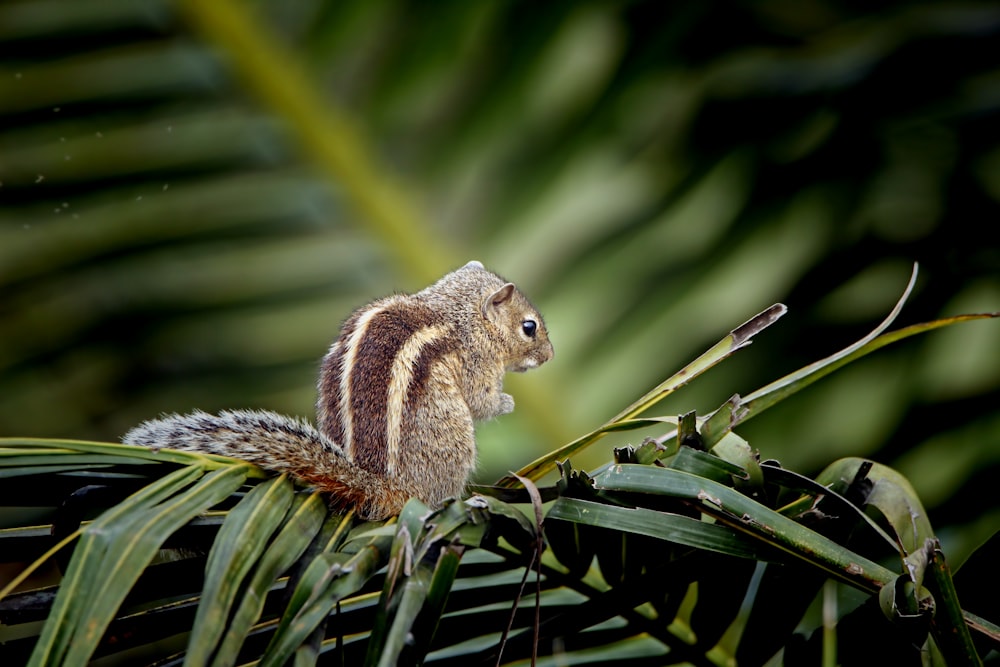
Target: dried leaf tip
x,y
743,333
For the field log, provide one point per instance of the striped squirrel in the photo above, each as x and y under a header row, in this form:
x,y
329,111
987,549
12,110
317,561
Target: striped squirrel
x,y
398,391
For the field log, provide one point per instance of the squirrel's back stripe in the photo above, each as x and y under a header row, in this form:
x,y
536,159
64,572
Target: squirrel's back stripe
x,y
383,352
412,352
345,354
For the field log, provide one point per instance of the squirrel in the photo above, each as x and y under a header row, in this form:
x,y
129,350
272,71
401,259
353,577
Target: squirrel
x,y
398,393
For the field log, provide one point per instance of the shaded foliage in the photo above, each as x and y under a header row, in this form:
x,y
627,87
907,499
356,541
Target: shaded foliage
x,y
184,219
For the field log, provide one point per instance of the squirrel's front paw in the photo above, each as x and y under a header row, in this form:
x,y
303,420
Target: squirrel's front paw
x,y
506,404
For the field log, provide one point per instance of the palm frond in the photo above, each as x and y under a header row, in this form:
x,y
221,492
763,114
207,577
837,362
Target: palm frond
x,y
631,562
192,196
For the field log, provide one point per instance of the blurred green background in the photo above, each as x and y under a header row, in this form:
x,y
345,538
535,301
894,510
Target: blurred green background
x,y
194,195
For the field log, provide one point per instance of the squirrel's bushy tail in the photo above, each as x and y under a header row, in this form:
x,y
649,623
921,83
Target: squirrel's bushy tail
x,y
278,443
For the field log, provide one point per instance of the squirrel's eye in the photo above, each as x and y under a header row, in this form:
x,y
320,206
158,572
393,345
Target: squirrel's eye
x,y
529,327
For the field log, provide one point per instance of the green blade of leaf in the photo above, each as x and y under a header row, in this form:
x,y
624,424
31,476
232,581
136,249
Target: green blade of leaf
x,y
409,576
135,453
665,526
749,516
894,497
986,628
329,579
75,589
948,625
438,592
41,470
737,339
494,519
891,495
114,551
705,465
738,452
397,572
237,546
722,421
290,543
443,525
826,487
774,392
45,459
135,540
412,595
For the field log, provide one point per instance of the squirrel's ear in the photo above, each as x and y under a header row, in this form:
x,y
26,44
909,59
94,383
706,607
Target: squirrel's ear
x,y
497,299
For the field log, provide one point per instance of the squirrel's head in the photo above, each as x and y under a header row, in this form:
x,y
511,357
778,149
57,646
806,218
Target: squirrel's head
x,y
519,326
500,314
